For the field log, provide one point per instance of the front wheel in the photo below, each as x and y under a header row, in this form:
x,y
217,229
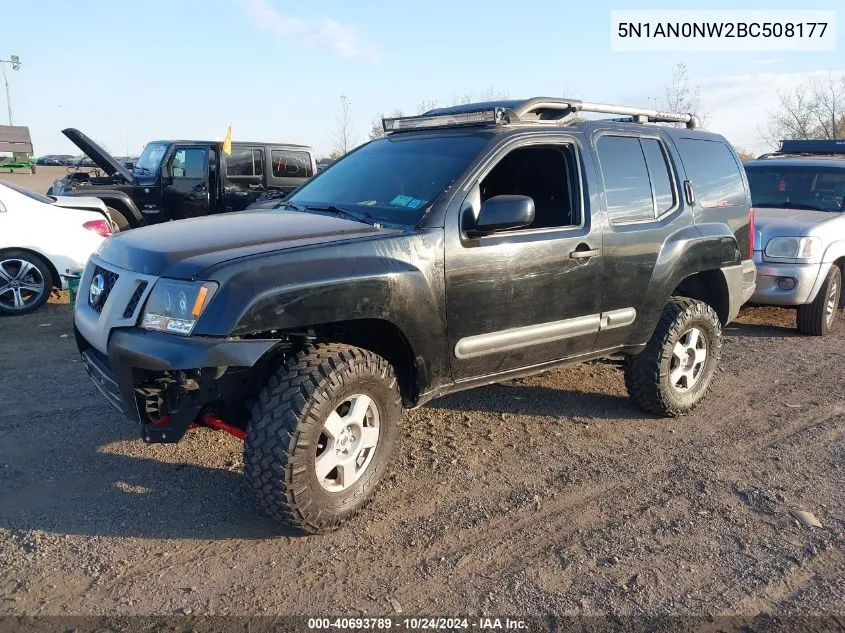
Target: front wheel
x,y
321,436
671,376
817,318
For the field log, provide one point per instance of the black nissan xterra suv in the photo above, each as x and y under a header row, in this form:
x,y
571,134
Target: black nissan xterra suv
x,y
468,246
173,180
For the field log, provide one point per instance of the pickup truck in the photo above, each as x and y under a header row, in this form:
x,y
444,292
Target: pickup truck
x,y
468,246
173,180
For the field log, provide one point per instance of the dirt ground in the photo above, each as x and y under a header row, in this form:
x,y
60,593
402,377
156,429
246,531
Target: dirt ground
x,y
38,182
548,496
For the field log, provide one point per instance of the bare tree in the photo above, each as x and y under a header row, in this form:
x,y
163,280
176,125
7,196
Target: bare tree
x,y
491,94
377,129
679,95
814,110
343,136
425,105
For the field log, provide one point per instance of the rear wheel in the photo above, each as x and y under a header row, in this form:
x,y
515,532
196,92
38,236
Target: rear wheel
x,y
817,318
321,436
25,282
671,376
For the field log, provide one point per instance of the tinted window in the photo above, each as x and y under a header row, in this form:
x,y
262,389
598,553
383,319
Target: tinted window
x,y
395,178
658,170
258,161
626,182
714,173
240,163
188,163
291,164
797,187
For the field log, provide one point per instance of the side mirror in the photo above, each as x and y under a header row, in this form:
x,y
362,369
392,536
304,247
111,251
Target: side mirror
x,y
503,213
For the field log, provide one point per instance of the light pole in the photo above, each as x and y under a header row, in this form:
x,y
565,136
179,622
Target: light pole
x,y
15,63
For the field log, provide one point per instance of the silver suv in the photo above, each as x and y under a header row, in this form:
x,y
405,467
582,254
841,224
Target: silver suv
x,y
798,195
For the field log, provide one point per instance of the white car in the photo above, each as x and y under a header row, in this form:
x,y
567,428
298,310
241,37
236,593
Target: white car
x,y
41,239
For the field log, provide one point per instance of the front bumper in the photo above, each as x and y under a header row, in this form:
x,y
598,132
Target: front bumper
x,y
808,278
186,370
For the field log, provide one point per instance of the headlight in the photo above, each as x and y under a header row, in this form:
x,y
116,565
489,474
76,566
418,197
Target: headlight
x,y
175,306
794,247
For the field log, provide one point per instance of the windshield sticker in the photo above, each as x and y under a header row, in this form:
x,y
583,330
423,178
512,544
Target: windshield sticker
x,y
406,201
401,201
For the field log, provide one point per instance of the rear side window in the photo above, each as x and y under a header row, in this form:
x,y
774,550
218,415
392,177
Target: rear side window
x,y
714,172
659,173
637,181
291,164
245,162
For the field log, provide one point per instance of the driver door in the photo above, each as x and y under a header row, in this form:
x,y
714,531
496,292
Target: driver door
x,y
185,186
526,296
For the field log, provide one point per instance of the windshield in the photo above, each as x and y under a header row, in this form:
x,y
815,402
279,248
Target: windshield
x,y
394,179
29,194
150,159
797,187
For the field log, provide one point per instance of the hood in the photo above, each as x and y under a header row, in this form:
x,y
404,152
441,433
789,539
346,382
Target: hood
x,y
774,222
185,248
101,157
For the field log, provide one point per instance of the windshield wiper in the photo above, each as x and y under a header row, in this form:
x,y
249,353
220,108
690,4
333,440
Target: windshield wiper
x,y
359,216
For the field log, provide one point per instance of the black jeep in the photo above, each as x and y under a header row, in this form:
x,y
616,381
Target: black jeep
x,y
468,246
173,180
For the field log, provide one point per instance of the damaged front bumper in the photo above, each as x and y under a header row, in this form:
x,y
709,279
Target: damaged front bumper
x,y
164,382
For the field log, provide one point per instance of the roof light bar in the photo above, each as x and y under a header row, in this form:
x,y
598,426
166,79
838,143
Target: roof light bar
x,y
458,119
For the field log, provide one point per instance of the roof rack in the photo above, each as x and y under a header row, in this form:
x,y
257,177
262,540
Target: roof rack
x,y
537,110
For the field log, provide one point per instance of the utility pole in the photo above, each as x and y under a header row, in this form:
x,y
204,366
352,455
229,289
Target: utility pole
x,y
15,63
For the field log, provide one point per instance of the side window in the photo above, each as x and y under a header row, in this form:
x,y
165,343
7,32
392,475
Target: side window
x,y
241,162
714,172
258,162
291,164
547,174
627,186
660,175
188,163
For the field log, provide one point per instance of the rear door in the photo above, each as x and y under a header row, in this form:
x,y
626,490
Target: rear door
x,y
643,205
243,177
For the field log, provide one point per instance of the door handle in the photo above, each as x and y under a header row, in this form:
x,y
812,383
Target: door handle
x,y
584,254
255,186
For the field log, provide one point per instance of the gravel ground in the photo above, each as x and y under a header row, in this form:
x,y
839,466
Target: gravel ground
x,y
548,496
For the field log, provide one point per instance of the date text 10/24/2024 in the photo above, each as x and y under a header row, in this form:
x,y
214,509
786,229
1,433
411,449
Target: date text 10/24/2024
x,y
431,624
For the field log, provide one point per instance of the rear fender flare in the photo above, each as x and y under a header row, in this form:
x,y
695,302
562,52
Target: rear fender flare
x,y
690,250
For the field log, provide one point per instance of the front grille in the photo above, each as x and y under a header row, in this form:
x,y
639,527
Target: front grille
x,y
133,302
109,279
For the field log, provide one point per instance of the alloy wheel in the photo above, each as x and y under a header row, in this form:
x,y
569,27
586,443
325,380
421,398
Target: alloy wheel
x,y
21,284
688,358
347,443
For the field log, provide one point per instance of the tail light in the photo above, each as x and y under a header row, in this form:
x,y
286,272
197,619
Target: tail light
x,y
100,227
751,231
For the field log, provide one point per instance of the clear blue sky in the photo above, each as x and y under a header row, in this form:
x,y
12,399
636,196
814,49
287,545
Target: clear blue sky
x,y
130,72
